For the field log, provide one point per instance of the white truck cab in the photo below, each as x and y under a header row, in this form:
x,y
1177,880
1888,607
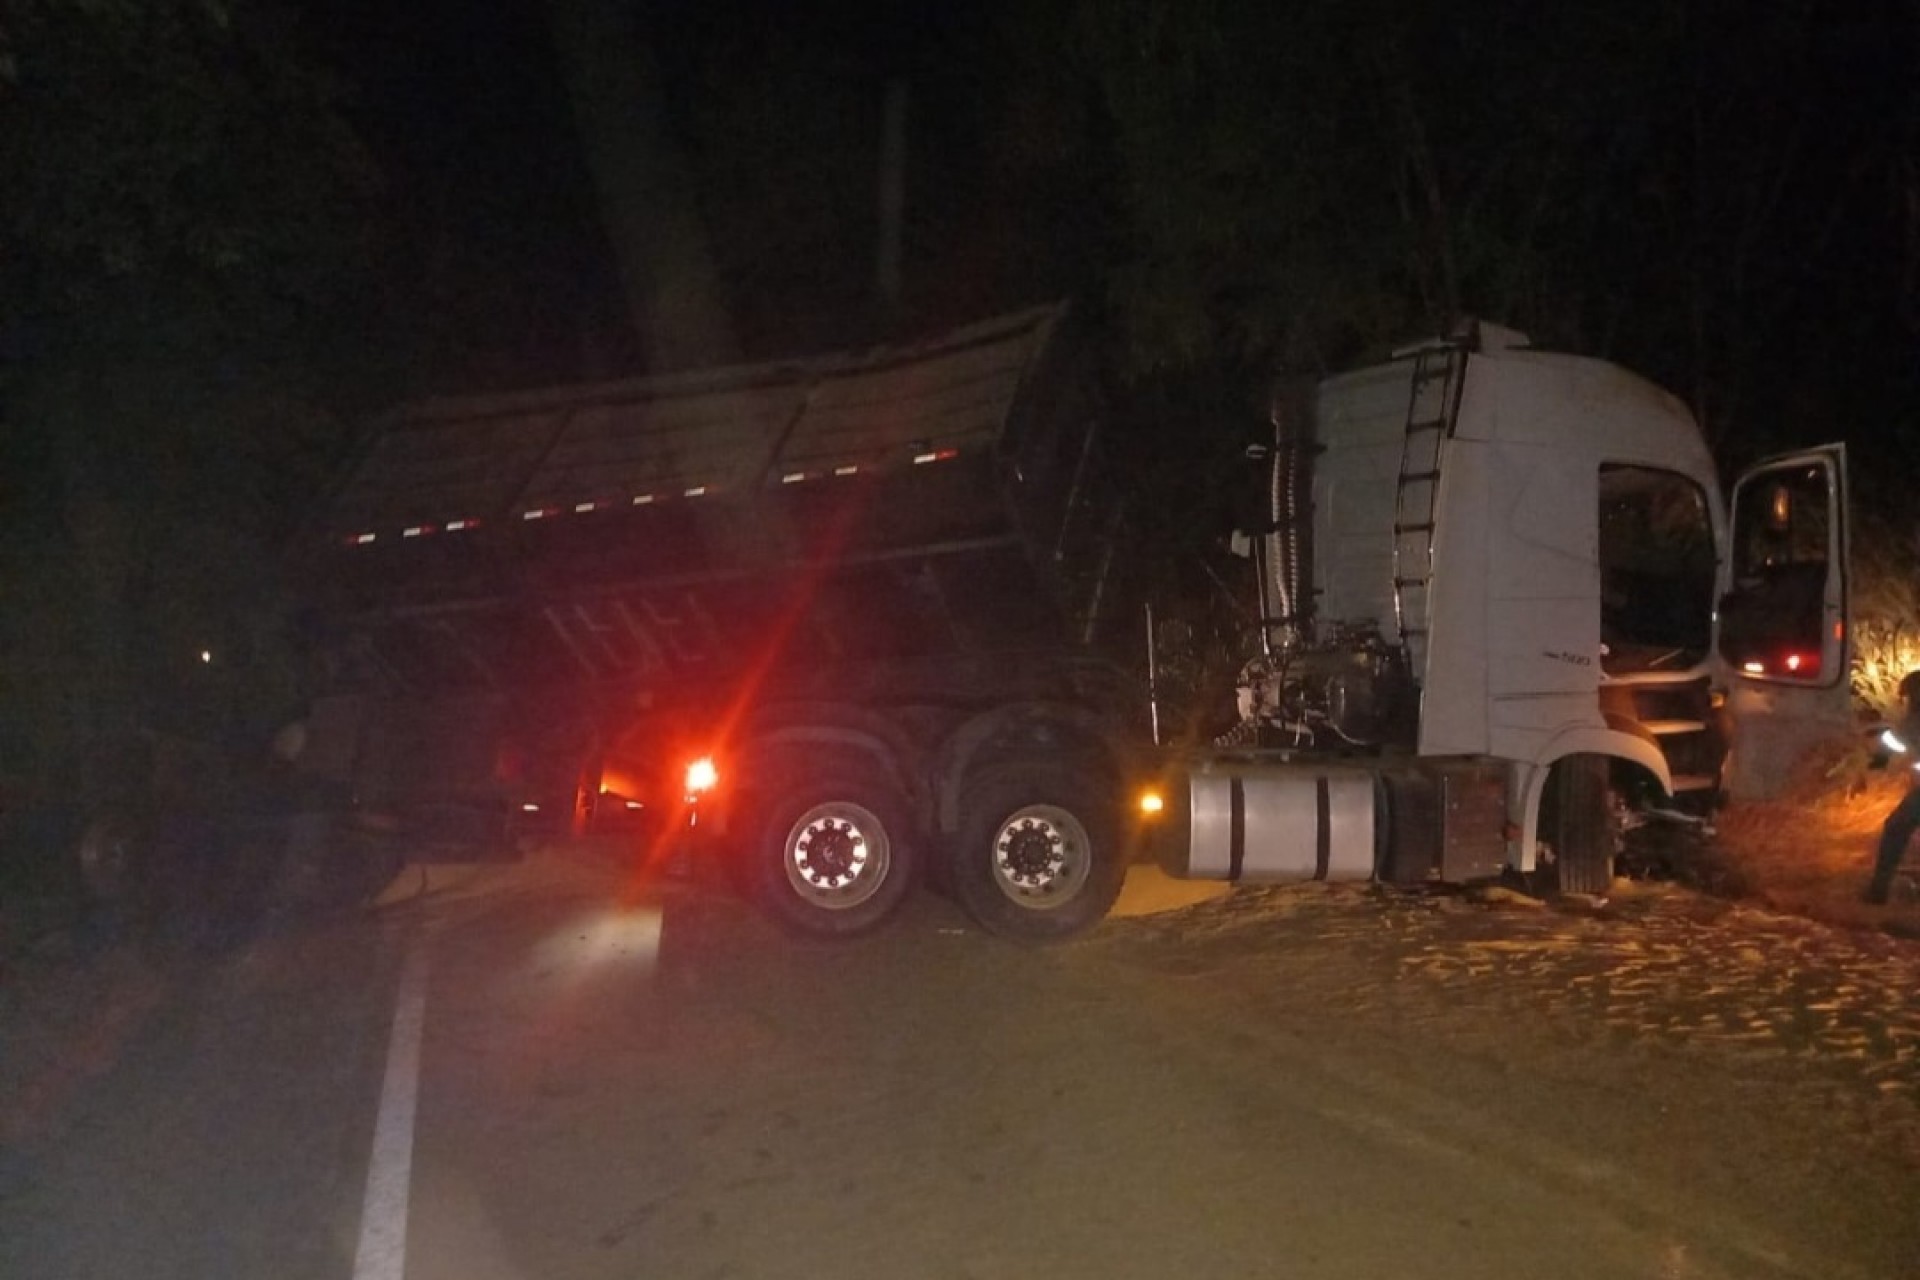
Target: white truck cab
x,y
1541,542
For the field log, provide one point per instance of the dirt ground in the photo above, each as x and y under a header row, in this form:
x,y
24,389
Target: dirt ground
x,y
1795,868
1756,1055
1811,852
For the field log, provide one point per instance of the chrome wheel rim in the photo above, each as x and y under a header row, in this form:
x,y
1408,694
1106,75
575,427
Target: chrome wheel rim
x,y
837,855
1042,856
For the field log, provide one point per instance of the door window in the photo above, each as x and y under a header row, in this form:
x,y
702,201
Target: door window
x,y
1785,543
1656,570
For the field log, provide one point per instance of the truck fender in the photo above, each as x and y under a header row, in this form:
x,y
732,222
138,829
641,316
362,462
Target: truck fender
x,y
1031,724
1530,776
833,727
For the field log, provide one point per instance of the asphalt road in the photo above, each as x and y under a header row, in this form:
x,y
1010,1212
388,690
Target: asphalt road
x,y
542,1071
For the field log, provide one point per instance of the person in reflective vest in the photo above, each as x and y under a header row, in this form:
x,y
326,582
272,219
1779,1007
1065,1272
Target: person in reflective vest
x,y
1898,830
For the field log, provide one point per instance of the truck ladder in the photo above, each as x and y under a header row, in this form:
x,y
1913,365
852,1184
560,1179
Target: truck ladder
x,y
1433,404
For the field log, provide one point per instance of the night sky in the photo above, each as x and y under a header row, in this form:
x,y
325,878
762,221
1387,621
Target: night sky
x,y
383,200
1024,183
779,105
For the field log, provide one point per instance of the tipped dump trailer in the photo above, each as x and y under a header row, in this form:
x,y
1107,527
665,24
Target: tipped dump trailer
x,y
832,625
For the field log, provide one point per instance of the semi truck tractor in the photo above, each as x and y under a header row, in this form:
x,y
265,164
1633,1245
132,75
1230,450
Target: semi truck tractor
x,y
833,627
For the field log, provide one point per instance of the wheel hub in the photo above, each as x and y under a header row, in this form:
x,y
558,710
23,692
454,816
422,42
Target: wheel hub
x,y
831,852
1031,853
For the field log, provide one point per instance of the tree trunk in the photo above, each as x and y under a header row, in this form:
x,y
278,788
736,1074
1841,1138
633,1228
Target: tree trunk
x,y
647,200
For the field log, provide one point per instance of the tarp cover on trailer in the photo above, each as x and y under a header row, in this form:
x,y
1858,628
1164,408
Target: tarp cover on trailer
x,y
486,459
925,497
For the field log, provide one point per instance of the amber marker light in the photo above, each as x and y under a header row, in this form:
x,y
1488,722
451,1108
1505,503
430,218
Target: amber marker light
x,y
1152,804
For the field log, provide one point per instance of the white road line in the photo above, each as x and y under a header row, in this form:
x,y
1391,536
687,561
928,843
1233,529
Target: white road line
x,y
383,1215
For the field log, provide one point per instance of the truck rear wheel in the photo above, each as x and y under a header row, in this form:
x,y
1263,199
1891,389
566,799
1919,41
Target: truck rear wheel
x,y
1038,856
833,857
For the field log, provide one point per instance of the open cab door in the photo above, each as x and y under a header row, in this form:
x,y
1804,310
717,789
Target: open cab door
x,y
1781,628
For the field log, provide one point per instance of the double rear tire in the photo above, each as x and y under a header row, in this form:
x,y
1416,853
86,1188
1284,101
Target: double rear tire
x,y
1038,857
833,855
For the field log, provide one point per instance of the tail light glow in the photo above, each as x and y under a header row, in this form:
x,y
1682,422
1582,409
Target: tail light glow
x,y
1803,665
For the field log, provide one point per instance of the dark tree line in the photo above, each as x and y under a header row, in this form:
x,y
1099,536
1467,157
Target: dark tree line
x,y
1718,195
185,250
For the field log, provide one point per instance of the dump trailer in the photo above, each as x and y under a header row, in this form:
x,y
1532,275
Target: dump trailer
x,y
831,625
873,592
